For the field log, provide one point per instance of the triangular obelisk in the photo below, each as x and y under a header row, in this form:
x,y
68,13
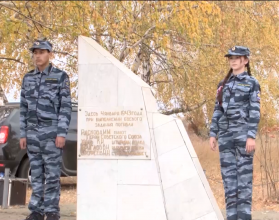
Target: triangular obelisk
x,y
133,163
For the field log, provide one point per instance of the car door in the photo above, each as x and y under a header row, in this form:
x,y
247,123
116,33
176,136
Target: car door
x,y
69,165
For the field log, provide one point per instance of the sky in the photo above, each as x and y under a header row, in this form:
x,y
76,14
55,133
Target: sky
x,y
10,95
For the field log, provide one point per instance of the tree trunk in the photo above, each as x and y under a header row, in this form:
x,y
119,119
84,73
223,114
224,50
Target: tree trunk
x,y
137,62
146,68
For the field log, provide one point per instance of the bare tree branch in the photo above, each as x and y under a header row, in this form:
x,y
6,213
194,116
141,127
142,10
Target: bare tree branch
x,y
137,61
126,9
121,57
144,36
137,15
157,82
187,43
32,18
65,53
15,5
183,109
160,70
125,51
9,4
163,60
12,4
1,4
110,45
146,67
12,59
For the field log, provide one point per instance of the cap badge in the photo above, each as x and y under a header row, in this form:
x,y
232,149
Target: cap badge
x,y
37,43
233,49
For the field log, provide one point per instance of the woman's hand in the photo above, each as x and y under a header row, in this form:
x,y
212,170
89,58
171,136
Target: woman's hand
x,y
213,143
250,145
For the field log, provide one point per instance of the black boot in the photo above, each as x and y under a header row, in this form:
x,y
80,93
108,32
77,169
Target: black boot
x,y
52,216
35,216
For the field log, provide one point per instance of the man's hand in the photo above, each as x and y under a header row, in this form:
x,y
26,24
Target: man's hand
x,y
60,142
250,145
22,143
213,143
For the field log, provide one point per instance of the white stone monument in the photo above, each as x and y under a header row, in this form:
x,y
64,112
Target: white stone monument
x,y
133,162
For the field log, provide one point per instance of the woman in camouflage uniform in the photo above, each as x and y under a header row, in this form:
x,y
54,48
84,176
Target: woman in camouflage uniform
x,y
235,122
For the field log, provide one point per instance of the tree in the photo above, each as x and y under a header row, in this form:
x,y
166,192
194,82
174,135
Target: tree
x,y
177,47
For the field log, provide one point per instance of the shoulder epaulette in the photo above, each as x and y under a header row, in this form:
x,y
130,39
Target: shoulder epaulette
x,y
31,71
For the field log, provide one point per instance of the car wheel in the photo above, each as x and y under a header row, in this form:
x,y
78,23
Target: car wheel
x,y
24,170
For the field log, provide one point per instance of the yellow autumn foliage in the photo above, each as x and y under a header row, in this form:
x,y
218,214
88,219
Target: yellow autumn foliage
x,y
183,41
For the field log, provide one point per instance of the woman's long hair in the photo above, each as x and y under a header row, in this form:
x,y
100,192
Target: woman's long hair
x,y
220,92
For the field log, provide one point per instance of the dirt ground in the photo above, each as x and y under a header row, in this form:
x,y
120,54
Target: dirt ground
x,y
68,212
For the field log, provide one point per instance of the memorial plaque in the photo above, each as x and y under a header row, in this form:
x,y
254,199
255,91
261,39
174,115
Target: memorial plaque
x,y
113,133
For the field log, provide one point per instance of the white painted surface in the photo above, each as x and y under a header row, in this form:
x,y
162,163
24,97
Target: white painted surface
x,y
186,138
137,172
151,105
97,189
98,48
87,54
129,93
169,181
152,148
207,188
167,137
176,166
128,72
159,120
140,203
187,200
150,119
211,216
104,84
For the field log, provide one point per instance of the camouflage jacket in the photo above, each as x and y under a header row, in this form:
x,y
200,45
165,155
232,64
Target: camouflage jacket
x,y
240,107
45,100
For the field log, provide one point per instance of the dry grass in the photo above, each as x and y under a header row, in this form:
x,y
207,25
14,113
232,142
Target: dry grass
x,y
210,163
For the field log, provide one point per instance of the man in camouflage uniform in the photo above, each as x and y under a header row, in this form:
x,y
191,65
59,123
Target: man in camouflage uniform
x,y
45,114
235,121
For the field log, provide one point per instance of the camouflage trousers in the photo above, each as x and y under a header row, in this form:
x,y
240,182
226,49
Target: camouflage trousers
x,y
45,163
237,174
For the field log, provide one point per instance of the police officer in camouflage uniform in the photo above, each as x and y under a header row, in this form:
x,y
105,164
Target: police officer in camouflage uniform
x,y
235,122
45,114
